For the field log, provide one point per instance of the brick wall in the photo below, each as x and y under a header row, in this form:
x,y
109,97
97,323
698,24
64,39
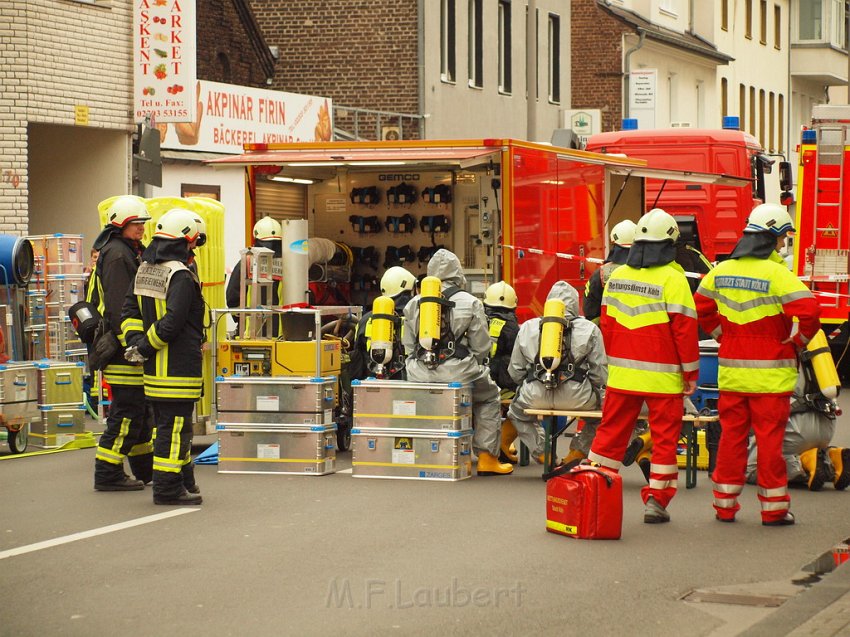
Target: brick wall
x,y
13,128
221,31
597,61
361,53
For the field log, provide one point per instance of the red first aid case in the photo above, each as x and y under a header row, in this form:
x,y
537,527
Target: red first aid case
x,y
585,502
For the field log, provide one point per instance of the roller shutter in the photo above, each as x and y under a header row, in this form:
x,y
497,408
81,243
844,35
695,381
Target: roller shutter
x,y
281,201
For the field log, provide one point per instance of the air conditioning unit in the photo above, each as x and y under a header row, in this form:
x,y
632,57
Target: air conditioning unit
x,y
680,124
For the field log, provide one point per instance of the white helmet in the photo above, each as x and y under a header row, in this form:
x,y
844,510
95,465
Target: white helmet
x,y
397,280
656,225
202,230
177,223
624,233
127,209
769,217
267,229
500,295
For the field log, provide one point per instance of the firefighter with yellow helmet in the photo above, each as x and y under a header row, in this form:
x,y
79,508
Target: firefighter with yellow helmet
x,y
649,326
164,319
267,233
747,304
446,340
622,236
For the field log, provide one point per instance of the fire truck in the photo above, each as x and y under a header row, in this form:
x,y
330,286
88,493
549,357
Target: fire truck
x,y
528,213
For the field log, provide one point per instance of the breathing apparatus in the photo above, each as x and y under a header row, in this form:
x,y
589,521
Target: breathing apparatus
x,y
430,316
383,330
818,354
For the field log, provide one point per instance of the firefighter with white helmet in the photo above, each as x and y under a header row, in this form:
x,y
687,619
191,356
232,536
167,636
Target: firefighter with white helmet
x,y
455,351
747,303
397,284
163,323
267,233
127,433
622,236
500,301
575,379
649,326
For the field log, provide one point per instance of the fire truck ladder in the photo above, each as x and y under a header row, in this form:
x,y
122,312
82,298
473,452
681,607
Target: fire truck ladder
x,y
829,266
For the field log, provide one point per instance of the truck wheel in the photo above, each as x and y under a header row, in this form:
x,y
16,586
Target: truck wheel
x,y
18,439
343,438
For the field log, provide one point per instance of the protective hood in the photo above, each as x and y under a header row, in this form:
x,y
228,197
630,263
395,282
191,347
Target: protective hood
x,y
272,244
499,312
757,244
401,300
565,292
617,254
161,250
446,266
105,235
645,254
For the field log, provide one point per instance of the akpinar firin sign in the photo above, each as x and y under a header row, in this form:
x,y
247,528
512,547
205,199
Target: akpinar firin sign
x,y
164,60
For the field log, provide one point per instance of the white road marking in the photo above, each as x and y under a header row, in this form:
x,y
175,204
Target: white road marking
x,y
349,470
65,539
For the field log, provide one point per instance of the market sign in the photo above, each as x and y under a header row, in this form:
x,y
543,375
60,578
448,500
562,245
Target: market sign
x,y
164,60
229,116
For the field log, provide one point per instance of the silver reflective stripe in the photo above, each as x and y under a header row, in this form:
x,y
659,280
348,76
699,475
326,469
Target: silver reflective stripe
x,y
682,309
747,305
782,505
750,363
793,296
803,339
605,462
717,332
728,488
644,366
712,294
663,469
662,484
778,492
637,310
690,367
725,503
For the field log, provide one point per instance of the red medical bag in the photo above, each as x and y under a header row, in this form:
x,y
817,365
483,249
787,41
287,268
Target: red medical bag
x,y
585,502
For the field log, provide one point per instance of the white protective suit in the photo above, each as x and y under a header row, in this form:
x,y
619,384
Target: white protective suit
x,y
807,429
469,326
588,354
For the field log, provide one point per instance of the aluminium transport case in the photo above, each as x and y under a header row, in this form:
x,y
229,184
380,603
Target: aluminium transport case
x,y
394,404
411,454
281,400
58,425
282,449
18,392
60,382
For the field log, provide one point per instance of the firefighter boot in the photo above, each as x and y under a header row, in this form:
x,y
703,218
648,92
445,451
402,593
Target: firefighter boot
x,y
654,513
142,467
572,458
841,464
185,498
111,477
644,461
509,434
188,474
490,466
813,465
636,447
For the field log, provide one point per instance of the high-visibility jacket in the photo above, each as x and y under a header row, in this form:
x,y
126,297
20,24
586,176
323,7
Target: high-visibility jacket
x,y
169,331
748,304
649,328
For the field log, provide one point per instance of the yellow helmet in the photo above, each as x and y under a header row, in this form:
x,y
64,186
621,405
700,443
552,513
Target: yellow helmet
x,y
769,217
656,225
177,223
127,209
397,280
500,295
624,233
267,229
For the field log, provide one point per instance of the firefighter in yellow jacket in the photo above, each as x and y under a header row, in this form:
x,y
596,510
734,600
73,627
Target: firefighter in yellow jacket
x,y
163,323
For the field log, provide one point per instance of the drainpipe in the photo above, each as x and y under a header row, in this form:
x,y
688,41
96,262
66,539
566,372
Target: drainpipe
x,y
531,71
627,71
420,62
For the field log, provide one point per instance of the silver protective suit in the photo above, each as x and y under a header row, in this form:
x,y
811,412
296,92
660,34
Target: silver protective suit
x,y
469,325
588,354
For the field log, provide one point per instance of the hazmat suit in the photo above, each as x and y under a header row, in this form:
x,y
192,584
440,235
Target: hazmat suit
x,y
468,324
585,390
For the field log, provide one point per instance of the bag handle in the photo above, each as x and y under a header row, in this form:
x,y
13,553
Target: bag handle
x,y
562,469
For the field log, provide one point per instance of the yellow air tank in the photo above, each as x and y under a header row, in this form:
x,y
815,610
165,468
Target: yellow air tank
x,y
551,335
823,365
429,312
381,331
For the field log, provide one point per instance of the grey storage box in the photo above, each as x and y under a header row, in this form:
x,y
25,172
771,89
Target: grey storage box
x,y
404,405
284,449
280,400
411,454
59,382
18,392
58,425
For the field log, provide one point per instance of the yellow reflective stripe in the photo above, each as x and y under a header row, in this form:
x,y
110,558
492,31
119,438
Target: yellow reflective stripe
x,y
107,455
174,447
164,464
155,341
185,394
123,428
132,324
169,381
141,449
495,330
765,381
644,381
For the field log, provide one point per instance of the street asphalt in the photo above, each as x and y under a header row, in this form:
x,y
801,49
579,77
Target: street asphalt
x,y
320,555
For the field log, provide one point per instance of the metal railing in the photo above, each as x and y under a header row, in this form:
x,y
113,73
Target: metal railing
x,y
367,124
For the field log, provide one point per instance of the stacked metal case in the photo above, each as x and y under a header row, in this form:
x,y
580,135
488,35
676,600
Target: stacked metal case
x,y
18,394
276,424
415,431
59,278
61,413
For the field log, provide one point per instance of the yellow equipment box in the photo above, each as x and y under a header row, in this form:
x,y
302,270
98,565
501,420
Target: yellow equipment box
x,y
702,453
277,358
